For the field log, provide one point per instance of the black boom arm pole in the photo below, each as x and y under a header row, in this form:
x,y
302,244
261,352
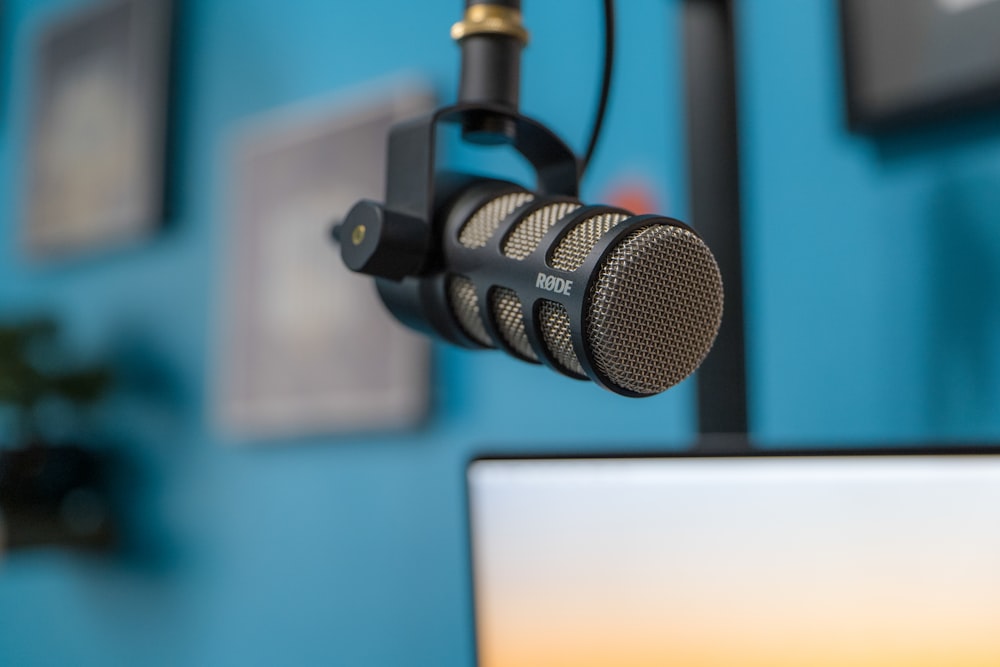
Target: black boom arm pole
x,y
713,165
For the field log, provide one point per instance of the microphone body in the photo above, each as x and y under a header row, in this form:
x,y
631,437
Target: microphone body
x,y
631,302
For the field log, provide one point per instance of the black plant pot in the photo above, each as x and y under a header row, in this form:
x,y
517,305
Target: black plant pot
x,y
54,497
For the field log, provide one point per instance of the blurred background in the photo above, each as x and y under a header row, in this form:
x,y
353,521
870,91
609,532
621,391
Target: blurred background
x,y
872,278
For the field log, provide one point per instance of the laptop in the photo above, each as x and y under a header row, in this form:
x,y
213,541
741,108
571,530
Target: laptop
x,y
771,560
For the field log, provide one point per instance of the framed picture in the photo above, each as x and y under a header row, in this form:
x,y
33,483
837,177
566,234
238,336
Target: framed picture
x,y
97,152
908,60
306,346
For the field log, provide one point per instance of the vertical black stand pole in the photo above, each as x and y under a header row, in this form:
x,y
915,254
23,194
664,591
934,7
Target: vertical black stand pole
x,y
491,65
713,166
491,75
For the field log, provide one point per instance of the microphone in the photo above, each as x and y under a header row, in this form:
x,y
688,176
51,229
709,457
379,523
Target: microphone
x,y
631,302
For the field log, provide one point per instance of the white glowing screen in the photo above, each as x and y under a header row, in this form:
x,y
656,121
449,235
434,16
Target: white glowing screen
x,y
737,561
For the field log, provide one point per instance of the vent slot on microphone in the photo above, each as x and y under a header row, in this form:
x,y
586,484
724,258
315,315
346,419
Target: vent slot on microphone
x,y
481,227
572,250
465,306
509,318
527,234
555,325
654,309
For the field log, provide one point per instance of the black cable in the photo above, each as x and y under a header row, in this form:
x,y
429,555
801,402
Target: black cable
x,y
602,104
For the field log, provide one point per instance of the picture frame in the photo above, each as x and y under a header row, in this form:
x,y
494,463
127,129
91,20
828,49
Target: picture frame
x,y
97,152
908,61
305,346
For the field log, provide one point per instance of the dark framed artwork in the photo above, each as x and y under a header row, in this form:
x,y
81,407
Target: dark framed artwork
x,y
305,346
98,144
912,60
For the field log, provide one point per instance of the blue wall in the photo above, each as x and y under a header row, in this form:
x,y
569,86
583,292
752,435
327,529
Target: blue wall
x,y
874,301
874,265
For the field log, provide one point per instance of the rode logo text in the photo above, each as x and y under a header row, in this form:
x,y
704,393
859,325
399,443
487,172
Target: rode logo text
x,y
553,284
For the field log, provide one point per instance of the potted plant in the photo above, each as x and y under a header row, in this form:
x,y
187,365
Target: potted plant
x,y
50,494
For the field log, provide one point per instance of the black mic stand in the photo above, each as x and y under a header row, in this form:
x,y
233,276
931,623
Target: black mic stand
x,y
491,37
710,83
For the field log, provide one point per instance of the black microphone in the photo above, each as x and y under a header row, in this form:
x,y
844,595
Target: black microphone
x,y
632,302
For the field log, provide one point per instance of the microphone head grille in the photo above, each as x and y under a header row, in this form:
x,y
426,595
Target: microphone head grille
x,y
573,249
525,237
481,227
509,319
465,306
655,309
555,325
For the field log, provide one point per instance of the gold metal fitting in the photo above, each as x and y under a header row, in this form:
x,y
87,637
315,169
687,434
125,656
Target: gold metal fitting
x,y
492,19
358,235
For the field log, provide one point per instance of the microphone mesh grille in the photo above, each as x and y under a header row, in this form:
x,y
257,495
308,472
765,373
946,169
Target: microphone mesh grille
x,y
655,308
555,325
481,227
573,249
510,321
465,306
528,233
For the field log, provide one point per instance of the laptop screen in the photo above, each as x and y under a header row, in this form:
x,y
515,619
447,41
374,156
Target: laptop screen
x,y
771,561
